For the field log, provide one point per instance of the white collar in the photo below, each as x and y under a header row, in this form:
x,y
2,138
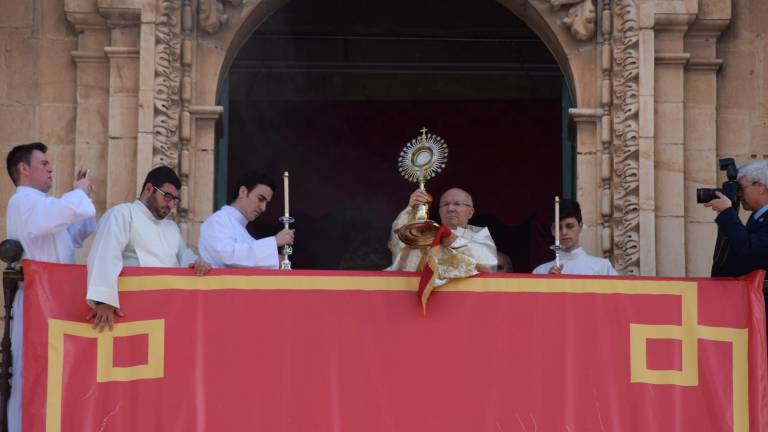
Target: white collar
x,y
141,207
236,214
30,190
572,255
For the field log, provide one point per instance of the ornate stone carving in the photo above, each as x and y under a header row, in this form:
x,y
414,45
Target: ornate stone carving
x,y
211,14
580,19
167,84
626,145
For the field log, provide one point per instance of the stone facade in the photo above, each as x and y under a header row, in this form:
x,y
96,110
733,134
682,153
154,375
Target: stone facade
x,y
662,89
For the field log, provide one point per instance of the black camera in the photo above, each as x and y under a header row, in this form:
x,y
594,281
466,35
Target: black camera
x,y
730,187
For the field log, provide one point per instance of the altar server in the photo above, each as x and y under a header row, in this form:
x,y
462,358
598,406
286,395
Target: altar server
x,y
136,234
573,259
224,240
48,228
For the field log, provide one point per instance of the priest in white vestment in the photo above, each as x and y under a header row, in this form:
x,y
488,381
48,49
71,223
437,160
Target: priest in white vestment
x,y
573,259
467,251
136,234
224,240
48,228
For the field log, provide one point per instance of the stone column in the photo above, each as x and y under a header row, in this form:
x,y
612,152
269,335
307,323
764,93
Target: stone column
x,y
701,131
590,182
123,57
672,21
202,156
92,88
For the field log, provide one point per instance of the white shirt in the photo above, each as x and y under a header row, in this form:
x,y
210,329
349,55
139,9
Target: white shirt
x,y
224,242
50,228
578,262
130,235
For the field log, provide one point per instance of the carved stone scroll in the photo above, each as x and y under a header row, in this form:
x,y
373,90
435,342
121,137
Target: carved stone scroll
x,y
580,19
211,14
626,144
167,84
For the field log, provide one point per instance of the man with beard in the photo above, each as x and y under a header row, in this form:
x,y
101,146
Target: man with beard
x,y
224,240
136,234
468,250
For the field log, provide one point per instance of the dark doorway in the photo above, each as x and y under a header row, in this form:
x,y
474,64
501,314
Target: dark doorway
x,y
331,91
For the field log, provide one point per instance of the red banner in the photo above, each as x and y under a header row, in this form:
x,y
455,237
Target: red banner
x,y
352,351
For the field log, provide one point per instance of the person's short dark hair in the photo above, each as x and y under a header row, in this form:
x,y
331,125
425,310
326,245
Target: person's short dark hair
x,y
250,180
570,209
161,175
19,154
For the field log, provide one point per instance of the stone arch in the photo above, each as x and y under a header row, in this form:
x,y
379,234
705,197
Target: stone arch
x,y
220,39
148,73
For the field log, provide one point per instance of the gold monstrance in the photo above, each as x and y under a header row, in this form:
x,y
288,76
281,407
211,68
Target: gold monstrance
x,y
420,160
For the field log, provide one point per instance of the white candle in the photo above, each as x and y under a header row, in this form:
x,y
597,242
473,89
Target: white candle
x,y
285,191
557,221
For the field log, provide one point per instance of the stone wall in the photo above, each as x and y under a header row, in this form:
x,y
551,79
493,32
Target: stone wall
x,y
37,91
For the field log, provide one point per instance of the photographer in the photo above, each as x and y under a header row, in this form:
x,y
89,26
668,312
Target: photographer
x,y
741,249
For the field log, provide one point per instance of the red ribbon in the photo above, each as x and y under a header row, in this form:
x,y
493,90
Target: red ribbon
x,y
427,272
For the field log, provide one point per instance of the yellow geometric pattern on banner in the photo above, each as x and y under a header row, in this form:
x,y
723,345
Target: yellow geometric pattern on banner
x,y
106,371
688,332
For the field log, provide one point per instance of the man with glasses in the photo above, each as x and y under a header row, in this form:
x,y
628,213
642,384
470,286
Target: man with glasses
x,y
136,234
743,249
469,249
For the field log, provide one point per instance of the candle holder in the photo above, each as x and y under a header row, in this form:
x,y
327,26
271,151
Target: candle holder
x,y
420,160
285,264
557,248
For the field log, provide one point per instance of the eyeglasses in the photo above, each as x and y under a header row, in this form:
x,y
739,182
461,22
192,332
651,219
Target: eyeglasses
x,y
167,196
455,204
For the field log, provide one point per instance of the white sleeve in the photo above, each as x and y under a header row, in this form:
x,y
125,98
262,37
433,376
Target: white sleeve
x,y
543,268
185,253
217,238
79,231
49,215
609,270
105,261
480,247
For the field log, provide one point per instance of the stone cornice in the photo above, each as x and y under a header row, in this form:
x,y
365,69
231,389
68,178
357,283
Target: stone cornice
x,y
672,58
212,112
674,22
704,64
83,15
586,114
88,57
121,52
121,13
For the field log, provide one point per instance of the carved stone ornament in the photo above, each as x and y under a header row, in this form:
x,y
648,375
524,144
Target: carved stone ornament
x,y
211,14
626,144
580,19
167,85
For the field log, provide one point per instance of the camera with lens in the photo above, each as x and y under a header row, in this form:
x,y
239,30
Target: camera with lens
x,y
730,187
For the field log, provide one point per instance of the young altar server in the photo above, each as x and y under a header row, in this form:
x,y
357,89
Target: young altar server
x,y
573,259
224,240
